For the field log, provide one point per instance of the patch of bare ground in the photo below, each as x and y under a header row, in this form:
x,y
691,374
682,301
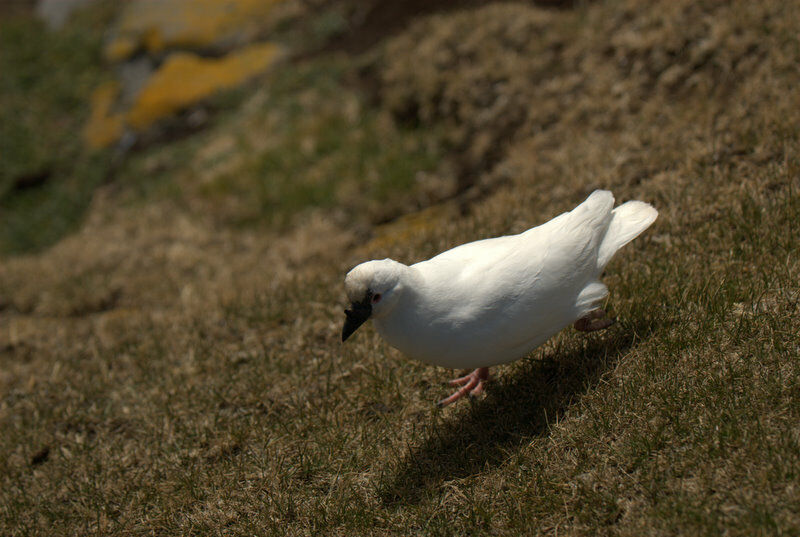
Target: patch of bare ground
x,y
162,372
522,75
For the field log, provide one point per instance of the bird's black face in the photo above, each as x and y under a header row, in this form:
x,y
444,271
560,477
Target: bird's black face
x,y
357,315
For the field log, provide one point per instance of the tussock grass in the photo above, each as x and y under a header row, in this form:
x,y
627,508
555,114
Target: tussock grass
x,y
163,371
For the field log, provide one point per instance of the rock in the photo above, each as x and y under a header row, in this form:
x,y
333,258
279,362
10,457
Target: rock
x,y
185,78
159,48
56,12
159,25
133,75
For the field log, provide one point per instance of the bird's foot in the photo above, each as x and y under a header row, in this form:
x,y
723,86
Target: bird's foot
x,y
470,384
594,320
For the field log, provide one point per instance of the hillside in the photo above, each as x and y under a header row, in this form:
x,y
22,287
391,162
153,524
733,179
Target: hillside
x,y
171,303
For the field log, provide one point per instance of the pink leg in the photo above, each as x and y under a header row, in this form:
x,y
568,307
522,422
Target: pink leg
x,y
472,384
594,320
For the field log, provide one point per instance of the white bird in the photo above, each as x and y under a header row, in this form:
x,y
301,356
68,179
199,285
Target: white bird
x,y
493,301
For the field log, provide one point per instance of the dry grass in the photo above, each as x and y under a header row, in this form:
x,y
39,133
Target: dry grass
x,y
170,370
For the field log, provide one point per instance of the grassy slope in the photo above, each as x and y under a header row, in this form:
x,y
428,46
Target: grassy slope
x,y
161,373
46,178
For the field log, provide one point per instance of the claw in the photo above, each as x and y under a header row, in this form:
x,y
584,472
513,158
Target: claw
x,y
471,384
477,390
460,381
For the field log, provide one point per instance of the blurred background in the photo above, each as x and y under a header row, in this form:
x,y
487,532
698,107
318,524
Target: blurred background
x,y
184,184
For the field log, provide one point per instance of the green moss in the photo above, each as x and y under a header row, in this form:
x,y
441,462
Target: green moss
x,y
46,79
37,217
328,148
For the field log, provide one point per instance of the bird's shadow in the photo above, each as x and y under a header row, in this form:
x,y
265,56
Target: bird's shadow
x,y
515,410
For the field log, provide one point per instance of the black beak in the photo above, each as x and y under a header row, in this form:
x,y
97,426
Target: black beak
x,y
356,316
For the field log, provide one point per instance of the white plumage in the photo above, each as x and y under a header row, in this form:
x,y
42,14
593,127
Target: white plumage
x,y
492,301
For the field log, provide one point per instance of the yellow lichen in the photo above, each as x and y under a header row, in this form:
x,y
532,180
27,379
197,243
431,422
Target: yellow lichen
x,y
121,48
185,78
161,24
103,127
153,40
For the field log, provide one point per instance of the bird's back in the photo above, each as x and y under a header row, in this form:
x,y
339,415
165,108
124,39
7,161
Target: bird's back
x,y
561,252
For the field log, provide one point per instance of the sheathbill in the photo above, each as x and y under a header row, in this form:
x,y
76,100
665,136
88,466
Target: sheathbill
x,y
493,301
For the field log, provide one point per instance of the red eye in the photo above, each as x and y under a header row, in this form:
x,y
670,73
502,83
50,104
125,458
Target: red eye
x,y
376,298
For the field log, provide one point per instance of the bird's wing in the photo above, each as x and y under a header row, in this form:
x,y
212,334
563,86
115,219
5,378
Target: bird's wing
x,y
564,247
573,246
512,285
478,250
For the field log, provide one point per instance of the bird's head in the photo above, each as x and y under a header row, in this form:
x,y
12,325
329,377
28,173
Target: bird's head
x,y
373,290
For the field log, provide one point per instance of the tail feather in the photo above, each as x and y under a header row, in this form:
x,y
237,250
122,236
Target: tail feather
x,y
627,222
590,298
